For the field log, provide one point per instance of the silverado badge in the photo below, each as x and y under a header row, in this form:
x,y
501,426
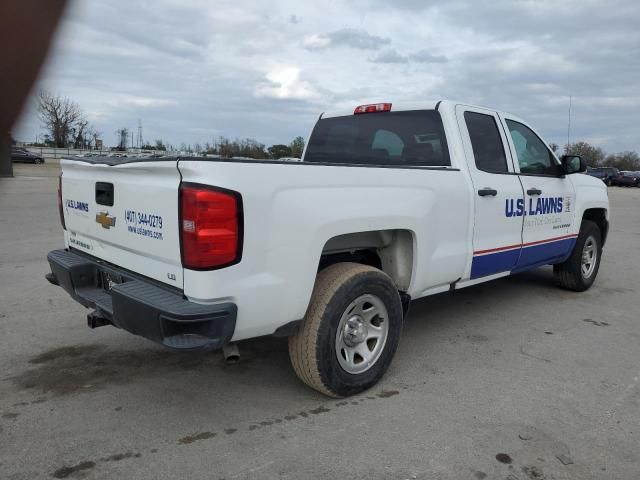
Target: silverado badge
x,y
104,219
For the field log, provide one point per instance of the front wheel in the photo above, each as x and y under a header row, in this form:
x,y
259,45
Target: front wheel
x,y
579,271
350,332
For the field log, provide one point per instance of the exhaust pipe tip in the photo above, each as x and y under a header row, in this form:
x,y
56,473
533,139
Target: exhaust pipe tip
x,y
231,353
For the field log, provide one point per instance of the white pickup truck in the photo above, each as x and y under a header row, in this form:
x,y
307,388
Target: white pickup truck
x,y
387,205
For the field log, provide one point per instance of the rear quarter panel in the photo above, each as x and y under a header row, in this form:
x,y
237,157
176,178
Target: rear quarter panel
x,y
292,210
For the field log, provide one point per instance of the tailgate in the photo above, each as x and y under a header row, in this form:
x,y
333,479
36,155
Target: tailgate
x,y
125,214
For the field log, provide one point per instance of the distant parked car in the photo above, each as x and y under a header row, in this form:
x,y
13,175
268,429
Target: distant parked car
x,y
607,174
635,174
598,173
628,179
22,155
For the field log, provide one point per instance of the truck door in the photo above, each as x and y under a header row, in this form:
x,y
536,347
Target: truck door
x,y
548,235
499,198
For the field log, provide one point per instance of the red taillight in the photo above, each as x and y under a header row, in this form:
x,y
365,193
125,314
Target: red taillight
x,y
372,108
210,227
60,211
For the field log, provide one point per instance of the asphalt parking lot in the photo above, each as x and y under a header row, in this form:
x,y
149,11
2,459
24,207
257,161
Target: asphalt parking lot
x,y
513,380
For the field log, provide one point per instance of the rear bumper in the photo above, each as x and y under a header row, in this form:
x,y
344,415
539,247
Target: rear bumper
x,y
139,305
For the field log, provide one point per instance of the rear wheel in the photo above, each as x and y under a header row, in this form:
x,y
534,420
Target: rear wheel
x,y
350,332
579,271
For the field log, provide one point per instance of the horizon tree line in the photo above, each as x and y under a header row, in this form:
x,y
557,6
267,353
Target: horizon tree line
x,y
67,126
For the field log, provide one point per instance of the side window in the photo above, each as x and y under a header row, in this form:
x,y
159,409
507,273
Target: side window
x,y
389,142
533,155
488,149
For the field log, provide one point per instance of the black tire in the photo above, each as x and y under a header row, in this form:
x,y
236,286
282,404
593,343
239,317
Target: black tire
x,y
608,182
569,274
312,348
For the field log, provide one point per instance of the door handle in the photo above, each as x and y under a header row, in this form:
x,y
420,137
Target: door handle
x,y
534,191
486,191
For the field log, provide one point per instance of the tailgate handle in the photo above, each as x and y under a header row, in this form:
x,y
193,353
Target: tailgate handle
x,y
104,194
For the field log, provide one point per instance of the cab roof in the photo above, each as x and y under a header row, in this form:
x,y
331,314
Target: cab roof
x,y
405,106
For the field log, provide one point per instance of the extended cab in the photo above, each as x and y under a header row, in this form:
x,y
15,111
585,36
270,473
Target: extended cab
x,y
387,205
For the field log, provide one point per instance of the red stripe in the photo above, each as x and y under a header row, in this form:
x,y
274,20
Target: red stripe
x,y
518,245
480,252
549,240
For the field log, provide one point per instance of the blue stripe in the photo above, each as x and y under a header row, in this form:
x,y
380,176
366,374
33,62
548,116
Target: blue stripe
x,y
545,254
522,259
491,263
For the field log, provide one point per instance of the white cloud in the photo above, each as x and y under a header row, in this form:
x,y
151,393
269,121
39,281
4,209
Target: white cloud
x,y
149,102
285,83
345,37
424,56
316,42
389,56
244,68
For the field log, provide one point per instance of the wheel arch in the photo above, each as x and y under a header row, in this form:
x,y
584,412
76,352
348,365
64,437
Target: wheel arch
x,y
391,251
599,217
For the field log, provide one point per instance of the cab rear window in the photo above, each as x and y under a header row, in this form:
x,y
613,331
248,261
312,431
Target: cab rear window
x,y
408,138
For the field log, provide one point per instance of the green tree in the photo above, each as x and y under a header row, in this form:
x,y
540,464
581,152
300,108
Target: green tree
x,y
594,156
297,147
279,151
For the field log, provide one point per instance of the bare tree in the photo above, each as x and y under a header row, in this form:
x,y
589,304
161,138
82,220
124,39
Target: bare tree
x,y
628,160
92,136
594,156
80,133
59,116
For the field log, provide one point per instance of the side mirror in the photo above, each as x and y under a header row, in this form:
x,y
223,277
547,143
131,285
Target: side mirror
x,y
573,164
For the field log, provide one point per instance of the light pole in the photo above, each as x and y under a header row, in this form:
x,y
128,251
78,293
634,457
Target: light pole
x,y
569,126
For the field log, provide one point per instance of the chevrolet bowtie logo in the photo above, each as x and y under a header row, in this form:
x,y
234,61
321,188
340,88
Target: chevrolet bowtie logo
x,y
105,220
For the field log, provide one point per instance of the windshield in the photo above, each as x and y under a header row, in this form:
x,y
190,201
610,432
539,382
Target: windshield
x,y
413,138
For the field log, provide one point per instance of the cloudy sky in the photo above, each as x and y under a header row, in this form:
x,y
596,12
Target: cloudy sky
x,y
194,69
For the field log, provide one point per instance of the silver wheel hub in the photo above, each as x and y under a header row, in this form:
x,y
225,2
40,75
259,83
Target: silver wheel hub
x,y
589,257
355,331
362,334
